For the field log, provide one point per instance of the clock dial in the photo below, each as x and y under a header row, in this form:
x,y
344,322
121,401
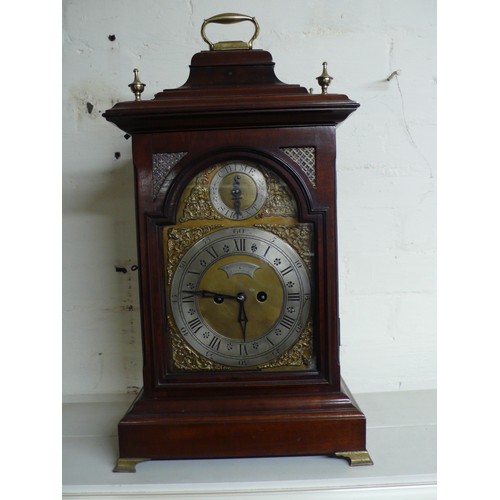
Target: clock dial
x,y
240,296
238,190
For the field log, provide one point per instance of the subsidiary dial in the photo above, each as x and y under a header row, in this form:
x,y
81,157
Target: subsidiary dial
x,y
238,190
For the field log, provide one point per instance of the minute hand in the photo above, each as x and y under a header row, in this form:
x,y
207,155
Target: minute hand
x,y
210,295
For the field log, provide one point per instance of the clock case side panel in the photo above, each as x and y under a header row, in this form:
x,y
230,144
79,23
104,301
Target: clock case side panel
x,y
142,160
315,205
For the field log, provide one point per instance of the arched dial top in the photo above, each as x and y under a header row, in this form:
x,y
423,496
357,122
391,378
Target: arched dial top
x,y
240,296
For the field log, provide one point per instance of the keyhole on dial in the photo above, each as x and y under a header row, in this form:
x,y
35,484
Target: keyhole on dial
x,y
218,300
262,296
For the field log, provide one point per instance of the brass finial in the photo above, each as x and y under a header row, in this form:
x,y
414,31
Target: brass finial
x,y
137,87
324,79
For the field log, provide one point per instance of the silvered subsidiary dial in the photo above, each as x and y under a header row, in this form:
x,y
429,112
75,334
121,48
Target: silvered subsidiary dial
x,y
238,190
241,296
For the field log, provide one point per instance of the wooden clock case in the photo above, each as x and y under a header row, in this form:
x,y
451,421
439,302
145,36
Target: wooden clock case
x,y
232,105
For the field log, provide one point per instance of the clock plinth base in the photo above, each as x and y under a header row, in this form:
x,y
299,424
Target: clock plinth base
x,y
355,458
128,464
237,427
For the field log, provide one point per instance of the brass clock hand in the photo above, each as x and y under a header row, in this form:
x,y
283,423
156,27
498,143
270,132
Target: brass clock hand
x,y
211,295
243,321
236,192
242,316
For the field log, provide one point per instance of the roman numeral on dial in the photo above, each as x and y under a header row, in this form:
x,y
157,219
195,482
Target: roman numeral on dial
x,y
195,325
240,244
188,298
287,270
215,343
212,252
287,321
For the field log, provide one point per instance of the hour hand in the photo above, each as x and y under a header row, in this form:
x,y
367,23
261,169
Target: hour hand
x,y
243,320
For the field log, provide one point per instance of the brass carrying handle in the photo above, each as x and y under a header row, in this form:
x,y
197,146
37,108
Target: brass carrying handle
x,y
230,18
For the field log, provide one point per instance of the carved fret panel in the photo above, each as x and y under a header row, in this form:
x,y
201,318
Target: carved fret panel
x,y
162,164
305,157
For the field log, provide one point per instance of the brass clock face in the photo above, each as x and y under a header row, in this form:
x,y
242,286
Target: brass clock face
x,y
238,266
240,296
238,190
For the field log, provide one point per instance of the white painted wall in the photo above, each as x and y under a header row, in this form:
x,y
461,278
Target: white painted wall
x,y
386,172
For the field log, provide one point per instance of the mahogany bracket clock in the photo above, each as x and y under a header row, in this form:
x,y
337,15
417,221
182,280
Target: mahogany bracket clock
x,y
237,242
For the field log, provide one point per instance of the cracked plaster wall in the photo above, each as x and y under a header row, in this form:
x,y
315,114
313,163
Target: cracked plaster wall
x,y
386,172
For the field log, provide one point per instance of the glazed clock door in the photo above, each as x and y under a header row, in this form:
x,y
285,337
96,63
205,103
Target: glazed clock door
x,y
238,274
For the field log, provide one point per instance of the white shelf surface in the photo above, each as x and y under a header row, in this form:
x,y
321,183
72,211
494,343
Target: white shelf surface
x,y
401,439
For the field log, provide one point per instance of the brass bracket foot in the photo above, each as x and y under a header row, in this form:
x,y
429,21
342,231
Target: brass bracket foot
x,y
128,464
355,458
